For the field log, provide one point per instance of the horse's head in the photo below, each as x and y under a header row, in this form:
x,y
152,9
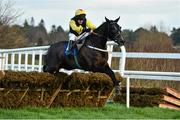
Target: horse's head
x,y
114,31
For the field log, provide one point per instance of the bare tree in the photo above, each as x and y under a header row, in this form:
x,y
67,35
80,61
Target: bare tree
x,y
8,14
10,37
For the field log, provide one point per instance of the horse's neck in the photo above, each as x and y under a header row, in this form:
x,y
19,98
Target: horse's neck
x,y
99,39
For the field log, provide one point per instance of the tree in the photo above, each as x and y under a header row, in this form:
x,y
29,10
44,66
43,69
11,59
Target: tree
x,y
8,14
60,29
40,41
53,29
32,21
42,24
14,38
128,36
57,34
148,41
10,36
175,35
153,29
26,24
36,35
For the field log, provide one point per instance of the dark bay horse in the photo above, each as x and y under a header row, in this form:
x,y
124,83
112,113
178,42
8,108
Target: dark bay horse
x,y
88,59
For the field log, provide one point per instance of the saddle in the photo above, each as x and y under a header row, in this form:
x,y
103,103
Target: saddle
x,y
76,45
80,40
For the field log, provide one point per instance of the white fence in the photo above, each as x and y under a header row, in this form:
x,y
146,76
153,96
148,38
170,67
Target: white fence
x,y
23,59
30,59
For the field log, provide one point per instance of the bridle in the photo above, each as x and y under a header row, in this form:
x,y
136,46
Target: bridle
x,y
107,37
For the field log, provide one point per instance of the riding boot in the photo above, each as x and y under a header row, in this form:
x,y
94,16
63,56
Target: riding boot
x,y
68,50
117,90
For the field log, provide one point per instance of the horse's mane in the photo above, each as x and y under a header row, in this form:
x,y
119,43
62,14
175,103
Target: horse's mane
x,y
98,29
100,26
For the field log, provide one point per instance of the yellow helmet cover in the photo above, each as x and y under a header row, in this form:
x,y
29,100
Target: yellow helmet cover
x,y
80,12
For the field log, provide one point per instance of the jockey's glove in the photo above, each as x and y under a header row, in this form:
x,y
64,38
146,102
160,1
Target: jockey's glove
x,y
86,30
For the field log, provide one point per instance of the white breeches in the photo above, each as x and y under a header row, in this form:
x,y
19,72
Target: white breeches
x,y
74,38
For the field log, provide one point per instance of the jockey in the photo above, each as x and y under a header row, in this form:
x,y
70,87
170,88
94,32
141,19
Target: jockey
x,y
78,26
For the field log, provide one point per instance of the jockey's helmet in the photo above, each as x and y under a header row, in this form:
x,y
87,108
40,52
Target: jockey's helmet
x,y
80,12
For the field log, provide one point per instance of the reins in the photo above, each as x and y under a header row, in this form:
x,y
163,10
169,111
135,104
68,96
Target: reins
x,y
99,49
95,48
106,37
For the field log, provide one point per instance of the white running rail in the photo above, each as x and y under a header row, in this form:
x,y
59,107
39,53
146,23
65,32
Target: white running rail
x,y
23,59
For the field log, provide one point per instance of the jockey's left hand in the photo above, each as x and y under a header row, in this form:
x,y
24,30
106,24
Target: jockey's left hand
x,y
87,30
91,31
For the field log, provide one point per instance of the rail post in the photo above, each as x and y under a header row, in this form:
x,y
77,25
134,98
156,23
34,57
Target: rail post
x,y
110,48
122,61
127,92
2,60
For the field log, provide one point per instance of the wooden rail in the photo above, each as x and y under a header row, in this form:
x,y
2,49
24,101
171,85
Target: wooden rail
x,y
172,99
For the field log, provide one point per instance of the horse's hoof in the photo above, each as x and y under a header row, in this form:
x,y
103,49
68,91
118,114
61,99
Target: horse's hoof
x,y
117,90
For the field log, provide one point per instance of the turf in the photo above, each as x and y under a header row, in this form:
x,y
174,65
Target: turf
x,y
109,111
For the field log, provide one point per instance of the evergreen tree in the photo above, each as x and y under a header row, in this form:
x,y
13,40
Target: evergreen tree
x,y
60,29
175,36
53,28
26,24
42,24
153,29
40,42
128,35
32,21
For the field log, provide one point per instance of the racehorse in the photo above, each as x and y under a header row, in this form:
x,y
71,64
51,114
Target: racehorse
x,y
88,59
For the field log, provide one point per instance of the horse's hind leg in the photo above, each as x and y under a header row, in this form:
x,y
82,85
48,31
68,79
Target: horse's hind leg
x,y
111,74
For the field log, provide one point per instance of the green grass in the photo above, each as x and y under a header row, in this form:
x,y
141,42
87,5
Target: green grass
x,y
110,111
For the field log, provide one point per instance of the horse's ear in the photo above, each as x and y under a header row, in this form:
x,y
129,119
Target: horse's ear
x,y
117,19
107,20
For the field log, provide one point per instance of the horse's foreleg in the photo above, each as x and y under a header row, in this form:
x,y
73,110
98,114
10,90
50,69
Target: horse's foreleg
x,y
107,70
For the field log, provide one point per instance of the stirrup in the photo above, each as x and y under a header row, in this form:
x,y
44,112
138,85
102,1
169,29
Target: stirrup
x,y
69,47
67,51
117,90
